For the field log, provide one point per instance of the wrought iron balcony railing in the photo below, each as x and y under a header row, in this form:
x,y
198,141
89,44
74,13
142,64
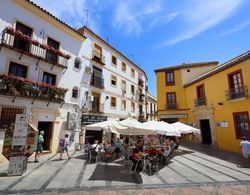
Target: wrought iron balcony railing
x,y
140,82
19,42
200,101
171,106
20,87
97,81
236,93
98,57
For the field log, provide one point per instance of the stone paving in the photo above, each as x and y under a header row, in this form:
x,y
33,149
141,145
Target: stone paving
x,y
190,172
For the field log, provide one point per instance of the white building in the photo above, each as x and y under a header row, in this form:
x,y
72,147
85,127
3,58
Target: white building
x,y
39,48
114,87
151,108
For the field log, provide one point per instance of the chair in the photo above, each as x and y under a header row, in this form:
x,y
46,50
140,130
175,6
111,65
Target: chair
x,y
152,163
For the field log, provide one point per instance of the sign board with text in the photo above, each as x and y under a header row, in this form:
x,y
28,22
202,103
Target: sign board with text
x,y
89,119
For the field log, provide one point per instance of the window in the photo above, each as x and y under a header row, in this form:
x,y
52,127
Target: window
x,y
20,43
123,87
114,60
201,99
236,86
49,78
97,53
132,107
96,78
132,89
50,55
75,92
18,70
170,78
78,63
124,66
124,106
113,80
113,102
171,100
241,123
132,72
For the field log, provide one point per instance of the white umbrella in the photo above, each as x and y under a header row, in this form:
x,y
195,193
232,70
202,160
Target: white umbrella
x,y
163,128
131,126
105,125
185,128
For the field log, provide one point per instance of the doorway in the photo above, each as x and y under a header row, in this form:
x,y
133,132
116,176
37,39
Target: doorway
x,y
205,131
47,128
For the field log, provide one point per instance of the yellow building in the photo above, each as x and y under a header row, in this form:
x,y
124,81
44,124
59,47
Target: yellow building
x,y
215,101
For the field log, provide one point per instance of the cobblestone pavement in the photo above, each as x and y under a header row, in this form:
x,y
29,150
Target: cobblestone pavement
x,y
190,172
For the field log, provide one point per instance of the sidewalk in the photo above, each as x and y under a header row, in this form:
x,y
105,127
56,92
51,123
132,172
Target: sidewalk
x,y
235,158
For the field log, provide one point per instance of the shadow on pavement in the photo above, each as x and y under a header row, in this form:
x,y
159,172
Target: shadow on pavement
x,y
114,173
235,158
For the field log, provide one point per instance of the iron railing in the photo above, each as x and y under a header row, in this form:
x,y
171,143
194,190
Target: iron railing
x,y
98,57
95,107
236,93
24,44
97,81
200,101
171,106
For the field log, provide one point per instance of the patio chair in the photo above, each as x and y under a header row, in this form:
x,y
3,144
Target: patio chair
x,y
152,163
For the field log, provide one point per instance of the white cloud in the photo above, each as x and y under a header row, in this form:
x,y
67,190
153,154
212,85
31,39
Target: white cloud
x,y
236,29
130,16
202,15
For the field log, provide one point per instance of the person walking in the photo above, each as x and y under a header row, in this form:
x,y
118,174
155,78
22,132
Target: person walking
x,y
245,148
64,144
39,149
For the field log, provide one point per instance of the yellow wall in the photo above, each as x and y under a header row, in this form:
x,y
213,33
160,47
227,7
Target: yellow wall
x,y
162,89
215,87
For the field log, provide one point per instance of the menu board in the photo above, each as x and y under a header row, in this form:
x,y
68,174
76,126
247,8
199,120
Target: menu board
x,y
17,165
20,130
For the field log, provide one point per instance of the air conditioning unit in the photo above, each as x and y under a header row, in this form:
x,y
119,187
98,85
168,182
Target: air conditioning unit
x,y
88,70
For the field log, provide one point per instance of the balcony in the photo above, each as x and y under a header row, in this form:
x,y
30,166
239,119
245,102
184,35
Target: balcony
x,y
200,101
140,82
20,87
141,97
236,93
98,57
25,45
171,106
97,81
96,107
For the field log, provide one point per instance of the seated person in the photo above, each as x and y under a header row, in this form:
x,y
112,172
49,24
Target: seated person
x,y
139,146
136,158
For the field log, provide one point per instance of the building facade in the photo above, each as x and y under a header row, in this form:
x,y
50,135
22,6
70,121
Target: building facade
x,y
217,103
151,108
63,78
114,86
38,54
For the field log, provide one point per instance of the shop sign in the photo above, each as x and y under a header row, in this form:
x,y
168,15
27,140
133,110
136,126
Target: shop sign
x,y
20,130
89,119
224,124
17,165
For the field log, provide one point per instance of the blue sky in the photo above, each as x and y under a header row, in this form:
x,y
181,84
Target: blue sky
x,y
160,33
